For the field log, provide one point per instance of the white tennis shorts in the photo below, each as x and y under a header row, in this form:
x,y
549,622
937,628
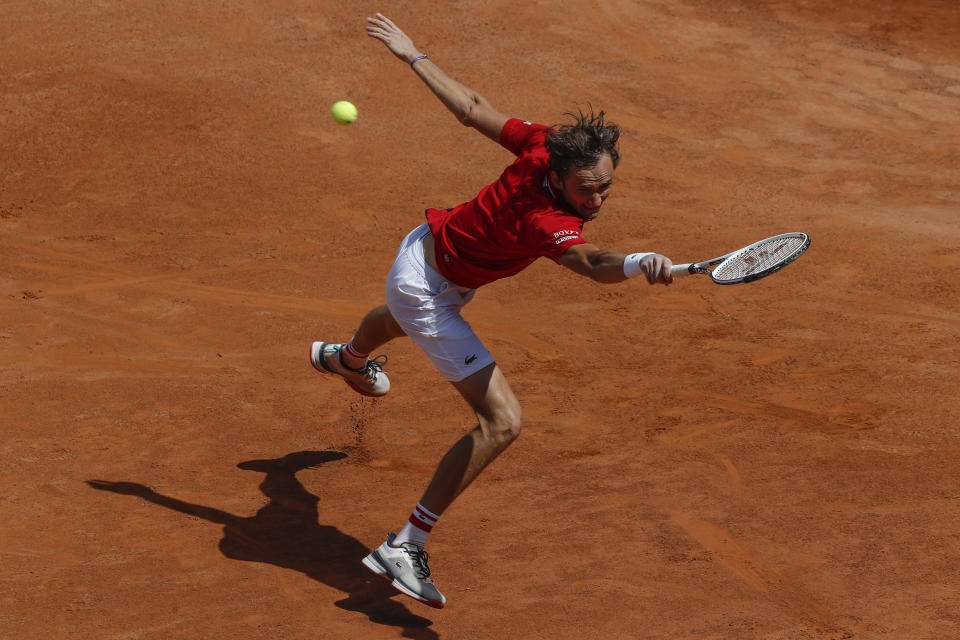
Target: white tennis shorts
x,y
427,307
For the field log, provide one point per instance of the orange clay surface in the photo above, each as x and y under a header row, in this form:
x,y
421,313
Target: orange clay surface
x,y
180,217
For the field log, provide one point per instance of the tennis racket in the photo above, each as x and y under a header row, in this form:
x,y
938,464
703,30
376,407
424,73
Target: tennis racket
x,y
753,262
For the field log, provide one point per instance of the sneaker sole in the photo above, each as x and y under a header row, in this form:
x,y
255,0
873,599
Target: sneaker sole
x,y
374,565
323,369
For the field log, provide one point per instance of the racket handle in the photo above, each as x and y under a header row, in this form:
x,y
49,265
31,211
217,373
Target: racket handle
x,y
680,270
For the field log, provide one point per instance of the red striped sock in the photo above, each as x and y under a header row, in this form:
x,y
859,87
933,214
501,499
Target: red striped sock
x,y
353,358
418,527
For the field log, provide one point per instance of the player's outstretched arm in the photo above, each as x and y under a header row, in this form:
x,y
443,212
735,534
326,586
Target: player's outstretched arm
x,y
608,266
470,108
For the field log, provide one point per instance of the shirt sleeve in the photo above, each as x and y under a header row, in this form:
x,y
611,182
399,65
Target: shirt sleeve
x,y
554,233
519,135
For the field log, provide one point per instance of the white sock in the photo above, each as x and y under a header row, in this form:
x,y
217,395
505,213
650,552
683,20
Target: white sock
x,y
417,528
353,358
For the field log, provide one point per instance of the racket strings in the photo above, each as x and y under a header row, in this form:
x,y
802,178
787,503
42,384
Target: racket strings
x,y
758,258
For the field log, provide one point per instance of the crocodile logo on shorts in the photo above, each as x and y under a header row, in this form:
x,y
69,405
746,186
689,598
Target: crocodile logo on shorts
x,y
469,359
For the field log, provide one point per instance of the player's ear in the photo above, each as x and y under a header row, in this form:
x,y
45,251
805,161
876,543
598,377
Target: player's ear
x,y
555,181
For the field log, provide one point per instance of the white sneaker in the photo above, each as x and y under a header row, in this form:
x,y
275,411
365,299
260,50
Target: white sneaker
x,y
406,568
370,380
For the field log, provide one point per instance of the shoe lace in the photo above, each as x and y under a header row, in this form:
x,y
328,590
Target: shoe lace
x,y
374,367
418,557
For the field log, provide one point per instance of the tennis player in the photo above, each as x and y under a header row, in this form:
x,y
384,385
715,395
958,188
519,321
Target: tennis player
x,y
537,207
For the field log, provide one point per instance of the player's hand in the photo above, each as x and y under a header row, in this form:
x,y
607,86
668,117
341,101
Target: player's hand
x,y
656,268
399,43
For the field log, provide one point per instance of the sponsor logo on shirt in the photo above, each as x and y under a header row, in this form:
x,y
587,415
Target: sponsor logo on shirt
x,y
563,236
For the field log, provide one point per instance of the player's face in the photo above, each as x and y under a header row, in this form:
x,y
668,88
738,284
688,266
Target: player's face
x,y
586,189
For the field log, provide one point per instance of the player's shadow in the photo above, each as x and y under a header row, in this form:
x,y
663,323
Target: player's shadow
x,y
286,533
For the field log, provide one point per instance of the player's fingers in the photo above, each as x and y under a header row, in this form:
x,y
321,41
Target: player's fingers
x,y
667,271
387,20
650,271
661,269
647,268
381,25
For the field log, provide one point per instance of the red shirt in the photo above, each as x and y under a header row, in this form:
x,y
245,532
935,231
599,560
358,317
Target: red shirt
x,y
511,223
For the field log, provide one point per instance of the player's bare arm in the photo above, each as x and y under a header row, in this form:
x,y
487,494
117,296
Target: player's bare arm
x,y
607,266
470,108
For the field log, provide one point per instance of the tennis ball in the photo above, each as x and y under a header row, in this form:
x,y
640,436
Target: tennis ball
x,y
344,112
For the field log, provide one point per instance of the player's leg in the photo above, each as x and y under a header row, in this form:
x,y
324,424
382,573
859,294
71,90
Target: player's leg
x,y
498,424
401,558
499,421
376,329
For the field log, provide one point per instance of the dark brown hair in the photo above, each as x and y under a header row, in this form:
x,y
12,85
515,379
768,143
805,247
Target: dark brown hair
x,y
582,143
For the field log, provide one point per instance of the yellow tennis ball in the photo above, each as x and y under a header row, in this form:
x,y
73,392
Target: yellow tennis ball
x,y
344,112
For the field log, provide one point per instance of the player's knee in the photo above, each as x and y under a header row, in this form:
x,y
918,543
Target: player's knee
x,y
505,424
512,424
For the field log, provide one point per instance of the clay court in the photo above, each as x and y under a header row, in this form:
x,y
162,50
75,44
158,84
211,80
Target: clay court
x,y
180,217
